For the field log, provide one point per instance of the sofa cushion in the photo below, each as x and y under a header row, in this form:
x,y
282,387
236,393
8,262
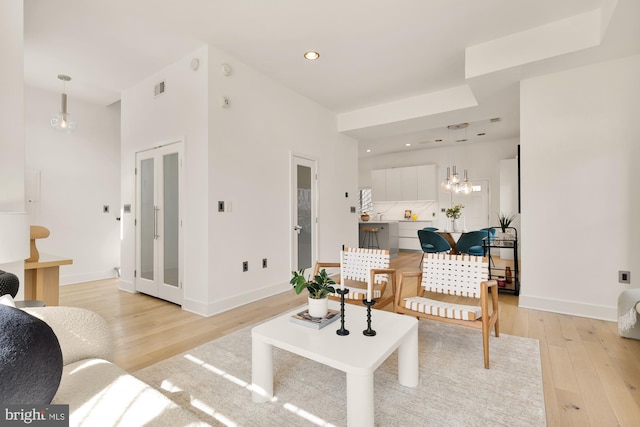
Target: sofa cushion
x,y
82,334
30,359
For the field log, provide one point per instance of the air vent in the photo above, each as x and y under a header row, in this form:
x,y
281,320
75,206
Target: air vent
x,y
158,89
495,120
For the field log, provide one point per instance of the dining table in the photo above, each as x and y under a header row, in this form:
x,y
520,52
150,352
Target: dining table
x,y
451,237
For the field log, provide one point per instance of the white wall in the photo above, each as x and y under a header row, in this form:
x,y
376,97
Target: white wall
x,y
79,174
239,155
180,114
482,161
250,151
12,106
12,117
580,203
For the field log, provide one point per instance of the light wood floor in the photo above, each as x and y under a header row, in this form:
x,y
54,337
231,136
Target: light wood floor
x,y
591,376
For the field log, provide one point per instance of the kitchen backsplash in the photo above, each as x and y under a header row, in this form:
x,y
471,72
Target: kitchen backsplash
x,y
394,211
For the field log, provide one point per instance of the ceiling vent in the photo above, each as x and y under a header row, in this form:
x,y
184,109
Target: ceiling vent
x,y
159,89
495,120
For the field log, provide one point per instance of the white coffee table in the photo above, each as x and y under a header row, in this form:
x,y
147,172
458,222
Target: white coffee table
x,y
357,355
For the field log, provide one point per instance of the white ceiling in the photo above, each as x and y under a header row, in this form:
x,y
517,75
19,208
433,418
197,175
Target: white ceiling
x,y
373,52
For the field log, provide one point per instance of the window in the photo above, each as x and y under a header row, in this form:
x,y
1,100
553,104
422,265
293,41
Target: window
x,y
365,205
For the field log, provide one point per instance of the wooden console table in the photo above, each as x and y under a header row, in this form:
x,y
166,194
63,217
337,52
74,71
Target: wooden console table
x,y
42,278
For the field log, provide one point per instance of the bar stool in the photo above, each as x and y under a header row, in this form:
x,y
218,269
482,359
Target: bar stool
x,y
367,238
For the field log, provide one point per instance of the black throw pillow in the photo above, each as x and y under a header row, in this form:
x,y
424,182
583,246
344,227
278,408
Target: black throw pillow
x,y
30,359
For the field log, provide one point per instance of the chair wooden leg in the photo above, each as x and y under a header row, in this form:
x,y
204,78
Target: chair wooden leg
x,y
495,309
485,346
486,324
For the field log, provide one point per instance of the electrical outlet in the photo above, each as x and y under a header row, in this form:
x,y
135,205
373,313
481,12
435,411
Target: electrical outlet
x,y
245,266
220,206
624,276
105,209
264,263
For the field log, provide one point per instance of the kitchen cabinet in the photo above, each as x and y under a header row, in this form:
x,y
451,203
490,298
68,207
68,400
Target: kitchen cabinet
x,y
410,183
379,185
408,234
394,184
404,184
427,182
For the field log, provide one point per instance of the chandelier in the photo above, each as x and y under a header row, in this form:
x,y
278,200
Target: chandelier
x,y
453,184
62,121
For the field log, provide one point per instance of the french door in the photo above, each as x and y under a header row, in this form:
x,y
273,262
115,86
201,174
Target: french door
x,y
159,241
303,213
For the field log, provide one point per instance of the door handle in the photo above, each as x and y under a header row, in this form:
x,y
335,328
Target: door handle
x,y
297,228
155,222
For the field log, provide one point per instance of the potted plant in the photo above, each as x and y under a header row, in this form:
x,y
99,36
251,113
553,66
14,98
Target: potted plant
x,y
454,213
319,287
505,221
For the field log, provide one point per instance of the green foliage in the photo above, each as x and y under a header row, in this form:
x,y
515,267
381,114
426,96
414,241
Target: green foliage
x,y
454,212
505,220
319,287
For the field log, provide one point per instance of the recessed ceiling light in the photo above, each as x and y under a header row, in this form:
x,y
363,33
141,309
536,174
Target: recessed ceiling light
x,y
368,150
311,55
407,144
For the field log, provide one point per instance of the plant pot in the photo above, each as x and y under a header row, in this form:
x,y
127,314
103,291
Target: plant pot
x,y
318,307
504,238
455,224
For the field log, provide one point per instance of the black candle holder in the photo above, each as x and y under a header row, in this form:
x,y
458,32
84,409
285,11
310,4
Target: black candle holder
x,y
369,332
342,331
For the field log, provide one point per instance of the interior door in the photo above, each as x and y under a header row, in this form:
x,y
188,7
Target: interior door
x,y
303,215
476,212
159,222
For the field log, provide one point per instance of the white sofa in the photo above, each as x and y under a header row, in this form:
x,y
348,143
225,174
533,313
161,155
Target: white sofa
x,y
629,313
98,392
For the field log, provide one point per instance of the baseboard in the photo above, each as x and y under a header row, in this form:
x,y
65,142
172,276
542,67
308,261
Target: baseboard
x,y
127,286
86,277
236,301
572,308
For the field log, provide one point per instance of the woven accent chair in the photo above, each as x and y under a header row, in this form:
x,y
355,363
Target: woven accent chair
x,y
359,265
460,275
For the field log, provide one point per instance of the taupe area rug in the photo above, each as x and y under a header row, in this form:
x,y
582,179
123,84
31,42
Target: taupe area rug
x,y
455,390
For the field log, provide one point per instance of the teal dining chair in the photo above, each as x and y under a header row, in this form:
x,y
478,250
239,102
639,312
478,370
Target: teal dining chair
x,y
472,243
432,242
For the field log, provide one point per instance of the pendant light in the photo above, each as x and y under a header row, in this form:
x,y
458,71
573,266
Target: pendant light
x,y
453,184
62,121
